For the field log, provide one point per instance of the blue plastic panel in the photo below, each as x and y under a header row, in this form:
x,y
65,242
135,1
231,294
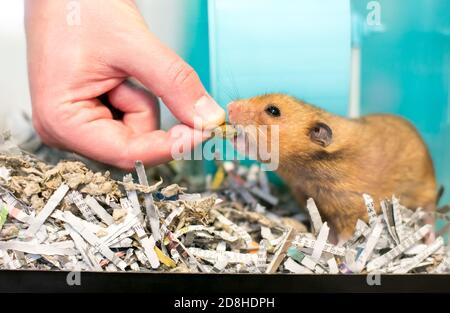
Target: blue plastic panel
x,y
298,47
405,70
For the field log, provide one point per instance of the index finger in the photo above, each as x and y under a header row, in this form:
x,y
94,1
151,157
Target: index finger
x,y
173,80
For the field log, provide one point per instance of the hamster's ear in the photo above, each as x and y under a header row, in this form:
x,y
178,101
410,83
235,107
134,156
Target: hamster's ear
x,y
321,134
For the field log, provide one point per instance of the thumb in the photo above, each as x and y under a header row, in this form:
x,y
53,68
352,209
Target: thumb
x,y
173,80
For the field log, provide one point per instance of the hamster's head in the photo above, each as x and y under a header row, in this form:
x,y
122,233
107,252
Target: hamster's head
x,y
303,130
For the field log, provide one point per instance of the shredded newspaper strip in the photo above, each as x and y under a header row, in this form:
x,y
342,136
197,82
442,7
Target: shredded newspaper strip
x,y
67,217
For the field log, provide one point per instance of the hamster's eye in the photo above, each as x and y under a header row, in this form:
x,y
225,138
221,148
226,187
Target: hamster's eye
x,y
272,110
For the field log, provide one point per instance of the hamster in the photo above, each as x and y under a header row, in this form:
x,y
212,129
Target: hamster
x,y
335,160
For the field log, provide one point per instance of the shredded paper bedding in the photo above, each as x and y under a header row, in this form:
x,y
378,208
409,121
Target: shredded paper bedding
x,y
68,217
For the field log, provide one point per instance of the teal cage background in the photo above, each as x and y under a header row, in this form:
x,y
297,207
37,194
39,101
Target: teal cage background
x,y
405,70
297,47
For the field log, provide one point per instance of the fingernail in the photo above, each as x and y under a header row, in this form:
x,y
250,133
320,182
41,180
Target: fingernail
x,y
209,112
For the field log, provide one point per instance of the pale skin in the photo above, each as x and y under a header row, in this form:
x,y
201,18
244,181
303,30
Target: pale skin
x,y
70,66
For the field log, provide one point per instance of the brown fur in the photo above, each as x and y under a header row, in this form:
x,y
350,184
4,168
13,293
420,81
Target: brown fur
x,y
380,155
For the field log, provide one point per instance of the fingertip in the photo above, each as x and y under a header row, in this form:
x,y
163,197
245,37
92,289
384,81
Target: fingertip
x,y
186,134
158,147
208,113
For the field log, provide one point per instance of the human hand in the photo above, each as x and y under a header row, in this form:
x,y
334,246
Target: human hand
x,y
70,66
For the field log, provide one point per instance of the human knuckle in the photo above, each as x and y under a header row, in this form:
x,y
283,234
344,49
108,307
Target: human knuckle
x,y
180,73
